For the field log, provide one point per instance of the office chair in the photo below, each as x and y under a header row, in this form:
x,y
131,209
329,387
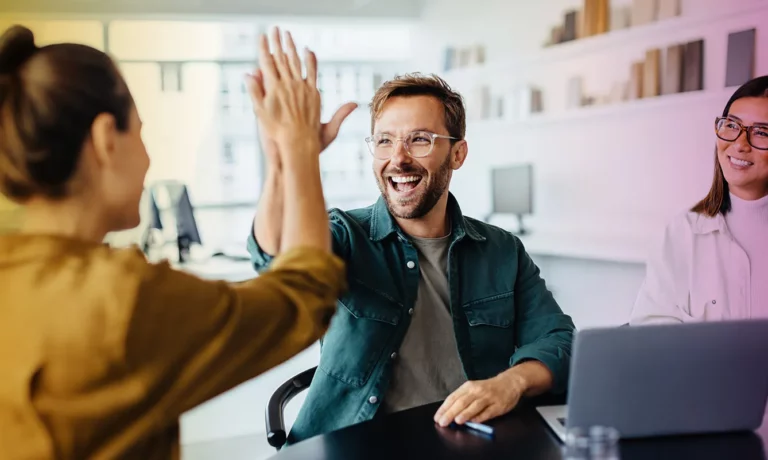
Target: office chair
x,y
276,435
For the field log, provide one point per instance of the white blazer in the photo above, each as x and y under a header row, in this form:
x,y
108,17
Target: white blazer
x,y
697,273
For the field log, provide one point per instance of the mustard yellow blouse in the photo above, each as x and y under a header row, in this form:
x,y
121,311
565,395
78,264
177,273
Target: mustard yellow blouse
x,y
101,351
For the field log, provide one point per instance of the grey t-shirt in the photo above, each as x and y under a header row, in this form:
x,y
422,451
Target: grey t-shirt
x,y
427,367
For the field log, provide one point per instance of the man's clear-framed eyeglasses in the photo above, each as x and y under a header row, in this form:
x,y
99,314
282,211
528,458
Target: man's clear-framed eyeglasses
x,y
729,130
418,144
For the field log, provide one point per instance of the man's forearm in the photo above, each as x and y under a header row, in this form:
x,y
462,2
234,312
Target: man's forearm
x,y
305,220
268,223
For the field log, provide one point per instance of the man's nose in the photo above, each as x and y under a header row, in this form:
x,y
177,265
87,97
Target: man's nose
x,y
400,153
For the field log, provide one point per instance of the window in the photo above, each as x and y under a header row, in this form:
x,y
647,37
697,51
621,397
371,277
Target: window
x,y
46,32
188,80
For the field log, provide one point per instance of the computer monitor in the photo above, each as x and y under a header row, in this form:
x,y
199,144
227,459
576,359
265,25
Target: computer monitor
x,y
512,191
172,208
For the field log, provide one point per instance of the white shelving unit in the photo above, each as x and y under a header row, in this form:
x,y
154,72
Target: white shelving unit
x,y
644,35
627,167
595,113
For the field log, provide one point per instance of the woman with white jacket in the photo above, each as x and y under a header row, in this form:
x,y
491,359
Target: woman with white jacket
x,y
712,263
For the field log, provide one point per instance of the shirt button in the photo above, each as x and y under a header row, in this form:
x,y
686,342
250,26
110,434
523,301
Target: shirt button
x,y
410,264
410,311
373,400
393,355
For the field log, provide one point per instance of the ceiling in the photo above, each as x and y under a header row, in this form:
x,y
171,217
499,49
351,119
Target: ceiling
x,y
383,9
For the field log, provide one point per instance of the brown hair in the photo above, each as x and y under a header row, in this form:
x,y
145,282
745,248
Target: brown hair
x,y
416,84
718,200
49,98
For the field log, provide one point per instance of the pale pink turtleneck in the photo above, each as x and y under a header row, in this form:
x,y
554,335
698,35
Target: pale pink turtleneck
x,y
748,223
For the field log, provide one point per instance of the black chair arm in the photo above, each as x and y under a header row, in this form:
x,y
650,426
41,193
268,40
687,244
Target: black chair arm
x,y
276,435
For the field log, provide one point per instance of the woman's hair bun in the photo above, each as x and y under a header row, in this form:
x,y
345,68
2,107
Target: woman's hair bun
x,y
17,45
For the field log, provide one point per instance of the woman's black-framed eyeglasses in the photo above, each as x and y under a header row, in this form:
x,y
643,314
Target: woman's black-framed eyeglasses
x,y
729,130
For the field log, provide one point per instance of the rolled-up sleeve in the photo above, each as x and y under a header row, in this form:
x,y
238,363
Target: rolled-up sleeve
x,y
544,333
339,239
191,339
259,259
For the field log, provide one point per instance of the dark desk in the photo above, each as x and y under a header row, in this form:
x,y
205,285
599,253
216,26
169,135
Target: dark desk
x,y
520,435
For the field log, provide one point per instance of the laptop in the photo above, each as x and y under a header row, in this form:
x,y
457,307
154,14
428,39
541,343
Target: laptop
x,y
665,380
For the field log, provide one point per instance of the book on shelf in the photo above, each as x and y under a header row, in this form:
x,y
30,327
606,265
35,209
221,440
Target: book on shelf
x,y
557,35
693,67
450,59
575,92
465,57
486,102
621,17
537,101
530,101
596,17
478,55
740,64
644,12
580,25
669,9
498,108
618,93
672,81
636,81
652,73
570,26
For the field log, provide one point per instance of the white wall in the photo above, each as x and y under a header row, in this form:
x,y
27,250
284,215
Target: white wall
x,y
603,173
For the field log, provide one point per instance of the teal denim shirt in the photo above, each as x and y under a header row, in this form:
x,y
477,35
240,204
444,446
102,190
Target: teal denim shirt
x,y
502,311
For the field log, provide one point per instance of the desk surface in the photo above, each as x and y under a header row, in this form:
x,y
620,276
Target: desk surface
x,y
521,435
602,248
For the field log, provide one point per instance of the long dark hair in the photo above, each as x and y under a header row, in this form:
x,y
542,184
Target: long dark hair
x,y
718,200
49,98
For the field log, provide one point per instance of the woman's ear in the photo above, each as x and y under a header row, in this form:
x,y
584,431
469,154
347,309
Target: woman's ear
x,y
103,138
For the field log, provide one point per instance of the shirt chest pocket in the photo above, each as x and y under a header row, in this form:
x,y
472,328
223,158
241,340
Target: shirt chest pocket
x,y
360,333
492,325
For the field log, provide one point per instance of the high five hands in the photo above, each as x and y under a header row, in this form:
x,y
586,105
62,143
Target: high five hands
x,y
285,65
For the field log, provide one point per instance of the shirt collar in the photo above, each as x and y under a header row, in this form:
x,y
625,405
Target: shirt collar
x,y
384,225
704,224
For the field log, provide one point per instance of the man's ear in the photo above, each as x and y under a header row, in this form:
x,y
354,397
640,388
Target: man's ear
x,y
103,138
459,154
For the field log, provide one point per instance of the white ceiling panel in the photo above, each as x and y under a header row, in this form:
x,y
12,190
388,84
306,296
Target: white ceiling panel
x,y
332,8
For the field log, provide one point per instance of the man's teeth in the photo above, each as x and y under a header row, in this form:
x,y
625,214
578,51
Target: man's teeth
x,y
405,179
738,162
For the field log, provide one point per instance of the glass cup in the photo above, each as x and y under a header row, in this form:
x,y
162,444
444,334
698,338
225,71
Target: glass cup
x,y
577,444
604,443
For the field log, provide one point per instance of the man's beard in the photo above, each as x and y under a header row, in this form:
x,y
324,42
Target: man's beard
x,y
428,199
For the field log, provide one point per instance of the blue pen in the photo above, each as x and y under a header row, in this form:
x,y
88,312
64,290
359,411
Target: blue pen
x,y
479,427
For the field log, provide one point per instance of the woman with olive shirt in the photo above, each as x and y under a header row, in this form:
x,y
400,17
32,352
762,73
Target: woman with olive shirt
x,y
100,351
713,261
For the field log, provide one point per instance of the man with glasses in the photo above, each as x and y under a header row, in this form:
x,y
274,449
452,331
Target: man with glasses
x,y
440,306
